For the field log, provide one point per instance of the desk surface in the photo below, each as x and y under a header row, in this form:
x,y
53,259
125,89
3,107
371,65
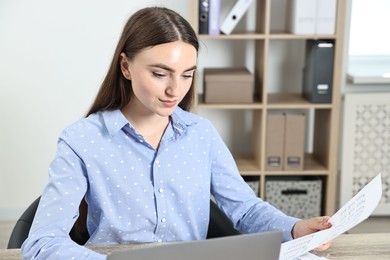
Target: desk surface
x,y
352,246
359,246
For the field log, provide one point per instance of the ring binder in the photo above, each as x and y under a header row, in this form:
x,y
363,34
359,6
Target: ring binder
x,y
235,15
204,16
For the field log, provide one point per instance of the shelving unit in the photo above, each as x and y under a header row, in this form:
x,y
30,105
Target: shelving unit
x,y
272,95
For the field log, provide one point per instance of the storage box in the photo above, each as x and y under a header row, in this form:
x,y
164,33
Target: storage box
x,y
228,85
274,143
311,16
296,197
294,142
301,16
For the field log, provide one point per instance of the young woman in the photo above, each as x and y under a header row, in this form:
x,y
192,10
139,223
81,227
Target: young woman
x,y
145,165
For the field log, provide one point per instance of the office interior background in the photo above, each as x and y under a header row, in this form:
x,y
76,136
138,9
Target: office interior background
x,y
54,55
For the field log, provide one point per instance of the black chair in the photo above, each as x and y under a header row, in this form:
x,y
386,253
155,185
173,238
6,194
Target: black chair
x,y
219,225
22,226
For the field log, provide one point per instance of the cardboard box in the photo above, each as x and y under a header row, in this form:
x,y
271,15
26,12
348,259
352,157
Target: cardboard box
x,y
228,85
275,142
297,197
294,142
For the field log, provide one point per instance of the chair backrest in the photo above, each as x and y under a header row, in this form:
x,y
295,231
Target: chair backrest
x,y
22,226
219,225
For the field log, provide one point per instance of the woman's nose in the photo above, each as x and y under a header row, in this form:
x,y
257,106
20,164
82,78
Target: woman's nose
x,y
174,86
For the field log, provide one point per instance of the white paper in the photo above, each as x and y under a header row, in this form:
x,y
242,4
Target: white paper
x,y
310,256
352,213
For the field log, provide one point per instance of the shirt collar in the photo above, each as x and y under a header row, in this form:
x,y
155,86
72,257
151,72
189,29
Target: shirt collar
x,y
181,120
114,120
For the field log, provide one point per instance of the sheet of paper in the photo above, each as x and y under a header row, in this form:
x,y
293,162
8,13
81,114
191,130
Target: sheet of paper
x,y
352,213
310,256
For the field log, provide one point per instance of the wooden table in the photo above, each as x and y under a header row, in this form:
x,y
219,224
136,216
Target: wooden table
x,y
352,247
374,246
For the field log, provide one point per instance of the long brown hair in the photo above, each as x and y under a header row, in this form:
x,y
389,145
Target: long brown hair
x,y
147,27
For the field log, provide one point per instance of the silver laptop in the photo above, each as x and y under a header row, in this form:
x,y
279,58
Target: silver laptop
x,y
252,246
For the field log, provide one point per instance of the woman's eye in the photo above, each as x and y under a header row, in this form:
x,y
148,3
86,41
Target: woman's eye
x,y
158,75
187,76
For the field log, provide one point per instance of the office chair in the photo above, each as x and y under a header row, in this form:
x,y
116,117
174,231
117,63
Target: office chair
x,y
219,225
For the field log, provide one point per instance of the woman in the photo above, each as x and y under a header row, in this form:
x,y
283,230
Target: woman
x,y
146,166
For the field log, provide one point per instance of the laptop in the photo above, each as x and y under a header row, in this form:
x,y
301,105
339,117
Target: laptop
x,y
257,246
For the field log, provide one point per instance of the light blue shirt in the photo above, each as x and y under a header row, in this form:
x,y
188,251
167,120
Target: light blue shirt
x,y
138,194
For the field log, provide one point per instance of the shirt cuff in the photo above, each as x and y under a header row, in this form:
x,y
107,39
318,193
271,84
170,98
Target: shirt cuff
x,y
287,228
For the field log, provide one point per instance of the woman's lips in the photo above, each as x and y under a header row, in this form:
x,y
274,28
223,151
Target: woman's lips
x,y
168,103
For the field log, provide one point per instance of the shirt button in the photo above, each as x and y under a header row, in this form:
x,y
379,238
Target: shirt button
x,y
163,220
161,190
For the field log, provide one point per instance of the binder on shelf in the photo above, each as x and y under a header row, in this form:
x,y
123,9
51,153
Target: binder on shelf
x,y
214,14
326,17
275,142
318,71
203,16
294,142
235,15
302,16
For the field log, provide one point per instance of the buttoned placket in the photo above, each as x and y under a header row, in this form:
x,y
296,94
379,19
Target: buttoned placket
x,y
159,177
161,207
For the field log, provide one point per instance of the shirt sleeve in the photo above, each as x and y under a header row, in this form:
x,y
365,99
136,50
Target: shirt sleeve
x,y
233,195
58,210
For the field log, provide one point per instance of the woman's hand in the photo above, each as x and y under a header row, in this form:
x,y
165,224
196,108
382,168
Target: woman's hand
x,y
308,226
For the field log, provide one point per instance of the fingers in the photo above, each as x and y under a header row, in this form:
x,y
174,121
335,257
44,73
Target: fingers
x,y
324,246
324,223
311,225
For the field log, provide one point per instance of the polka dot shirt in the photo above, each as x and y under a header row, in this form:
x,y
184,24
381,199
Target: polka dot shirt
x,y
136,193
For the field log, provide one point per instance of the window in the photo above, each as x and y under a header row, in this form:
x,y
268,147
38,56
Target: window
x,y
369,42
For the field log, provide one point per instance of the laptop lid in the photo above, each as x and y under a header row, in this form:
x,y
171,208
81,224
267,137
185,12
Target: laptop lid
x,y
249,246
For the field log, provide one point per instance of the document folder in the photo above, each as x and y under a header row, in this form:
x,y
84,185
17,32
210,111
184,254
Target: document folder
x,y
275,142
326,16
203,16
214,14
301,16
235,15
294,149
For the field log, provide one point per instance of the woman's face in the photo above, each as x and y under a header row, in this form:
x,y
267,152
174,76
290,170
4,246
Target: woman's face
x,y
161,76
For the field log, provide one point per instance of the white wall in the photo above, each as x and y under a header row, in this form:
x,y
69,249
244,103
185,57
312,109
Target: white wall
x,y
53,57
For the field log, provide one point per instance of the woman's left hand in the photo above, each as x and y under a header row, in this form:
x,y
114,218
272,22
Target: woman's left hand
x,y
308,226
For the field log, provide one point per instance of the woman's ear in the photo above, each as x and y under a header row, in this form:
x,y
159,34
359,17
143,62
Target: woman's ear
x,y
124,64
